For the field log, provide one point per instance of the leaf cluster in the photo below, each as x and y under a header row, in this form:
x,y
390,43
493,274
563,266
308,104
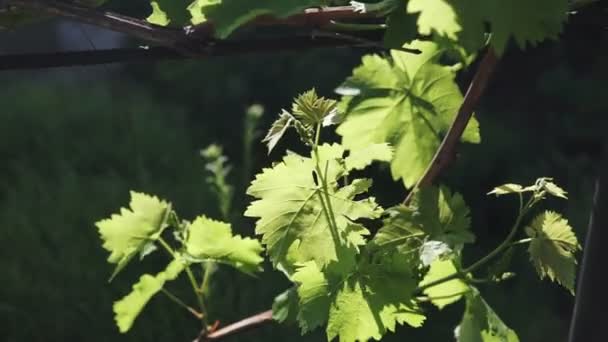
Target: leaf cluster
x,y
313,211
139,229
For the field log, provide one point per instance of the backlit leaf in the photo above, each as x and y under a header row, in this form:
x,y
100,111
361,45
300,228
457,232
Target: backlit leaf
x,y
292,221
408,101
552,248
208,239
481,324
127,233
128,308
445,293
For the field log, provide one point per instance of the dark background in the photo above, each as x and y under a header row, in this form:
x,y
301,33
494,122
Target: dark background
x,y
74,141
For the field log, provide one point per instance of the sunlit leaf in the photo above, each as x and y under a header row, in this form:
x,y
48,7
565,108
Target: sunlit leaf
x,y
445,293
408,101
208,239
128,308
127,233
552,248
292,220
481,324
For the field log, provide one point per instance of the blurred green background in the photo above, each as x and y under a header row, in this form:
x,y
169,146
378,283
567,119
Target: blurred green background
x,y
74,141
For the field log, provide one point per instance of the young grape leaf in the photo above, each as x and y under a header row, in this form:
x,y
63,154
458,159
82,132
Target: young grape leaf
x,y
554,190
361,158
510,188
542,184
128,233
128,308
409,101
358,303
278,128
524,21
481,324
311,109
552,248
444,293
207,239
292,221
228,15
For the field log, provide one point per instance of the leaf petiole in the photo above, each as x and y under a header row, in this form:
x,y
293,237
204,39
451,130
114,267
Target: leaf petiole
x,y
181,303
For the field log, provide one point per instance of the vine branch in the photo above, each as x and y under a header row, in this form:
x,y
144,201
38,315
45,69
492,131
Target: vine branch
x,y
234,328
445,152
194,41
191,39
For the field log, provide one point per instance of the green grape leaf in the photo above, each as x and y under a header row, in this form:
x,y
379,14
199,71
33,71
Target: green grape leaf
x,y
361,158
313,289
128,233
398,229
228,15
358,304
128,308
291,217
552,248
528,23
481,324
436,16
445,293
409,101
456,21
510,188
278,128
401,27
541,186
165,12
285,306
158,16
434,213
443,215
207,239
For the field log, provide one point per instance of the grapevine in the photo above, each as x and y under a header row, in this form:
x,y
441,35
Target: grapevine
x,y
314,211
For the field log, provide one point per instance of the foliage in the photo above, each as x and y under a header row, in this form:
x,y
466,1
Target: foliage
x,y
309,217
552,248
314,220
131,231
407,101
200,241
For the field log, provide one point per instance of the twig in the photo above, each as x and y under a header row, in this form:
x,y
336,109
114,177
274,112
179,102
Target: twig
x,y
445,152
113,21
237,327
181,42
